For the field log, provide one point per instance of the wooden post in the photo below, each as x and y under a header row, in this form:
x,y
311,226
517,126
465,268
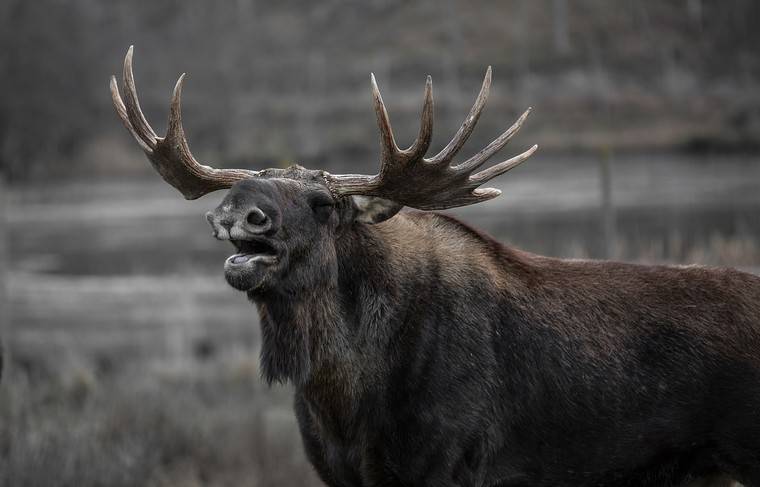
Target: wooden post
x,y
5,324
607,205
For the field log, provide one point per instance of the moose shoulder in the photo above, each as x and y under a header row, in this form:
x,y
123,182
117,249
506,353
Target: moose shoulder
x,y
424,352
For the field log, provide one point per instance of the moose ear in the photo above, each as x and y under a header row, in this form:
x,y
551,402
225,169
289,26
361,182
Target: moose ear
x,y
371,209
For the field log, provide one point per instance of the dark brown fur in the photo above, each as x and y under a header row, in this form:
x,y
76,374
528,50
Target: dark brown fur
x,y
426,353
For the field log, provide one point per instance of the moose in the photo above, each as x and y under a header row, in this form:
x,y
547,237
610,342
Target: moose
x,y
422,352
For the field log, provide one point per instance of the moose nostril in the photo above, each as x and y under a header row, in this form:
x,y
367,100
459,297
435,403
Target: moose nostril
x,y
256,217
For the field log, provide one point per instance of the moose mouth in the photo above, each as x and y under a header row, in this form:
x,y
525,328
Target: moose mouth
x,y
252,252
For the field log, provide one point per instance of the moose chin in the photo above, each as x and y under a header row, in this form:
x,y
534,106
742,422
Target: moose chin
x,y
424,352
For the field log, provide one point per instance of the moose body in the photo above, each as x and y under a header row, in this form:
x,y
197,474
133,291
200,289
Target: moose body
x,y
445,358
424,352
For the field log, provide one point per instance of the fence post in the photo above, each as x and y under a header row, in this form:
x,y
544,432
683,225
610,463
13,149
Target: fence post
x,y
5,317
607,205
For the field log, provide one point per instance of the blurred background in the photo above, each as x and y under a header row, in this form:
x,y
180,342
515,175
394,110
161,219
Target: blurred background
x,y
129,361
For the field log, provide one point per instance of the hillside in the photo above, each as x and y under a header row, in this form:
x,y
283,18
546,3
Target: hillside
x,y
275,82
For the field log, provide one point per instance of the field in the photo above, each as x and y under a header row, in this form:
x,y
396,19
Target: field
x,y
129,361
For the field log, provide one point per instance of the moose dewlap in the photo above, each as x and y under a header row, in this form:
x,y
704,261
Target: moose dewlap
x,y
424,352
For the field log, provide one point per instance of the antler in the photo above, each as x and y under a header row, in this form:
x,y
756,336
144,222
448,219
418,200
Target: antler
x,y
408,178
170,155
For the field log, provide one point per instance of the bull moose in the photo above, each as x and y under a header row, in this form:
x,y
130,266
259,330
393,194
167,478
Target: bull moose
x,y
425,353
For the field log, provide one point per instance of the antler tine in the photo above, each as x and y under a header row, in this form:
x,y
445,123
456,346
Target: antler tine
x,y
175,140
170,156
175,130
422,144
502,167
468,125
121,110
136,117
498,143
387,141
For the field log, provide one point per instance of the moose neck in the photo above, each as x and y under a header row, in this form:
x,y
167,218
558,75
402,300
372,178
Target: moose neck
x,y
314,336
338,333
302,335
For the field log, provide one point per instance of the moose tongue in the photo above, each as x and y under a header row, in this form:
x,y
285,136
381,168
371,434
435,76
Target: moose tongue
x,y
238,259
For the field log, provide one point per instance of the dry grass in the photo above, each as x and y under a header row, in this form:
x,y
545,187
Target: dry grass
x,y
151,427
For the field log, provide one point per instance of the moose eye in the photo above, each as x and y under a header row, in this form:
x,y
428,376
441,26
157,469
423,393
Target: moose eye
x,y
322,205
320,200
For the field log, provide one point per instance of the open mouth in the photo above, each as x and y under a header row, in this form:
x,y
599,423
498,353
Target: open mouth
x,y
252,251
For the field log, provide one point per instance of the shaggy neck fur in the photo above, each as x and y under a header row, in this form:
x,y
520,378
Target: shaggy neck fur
x,y
326,334
316,334
301,334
